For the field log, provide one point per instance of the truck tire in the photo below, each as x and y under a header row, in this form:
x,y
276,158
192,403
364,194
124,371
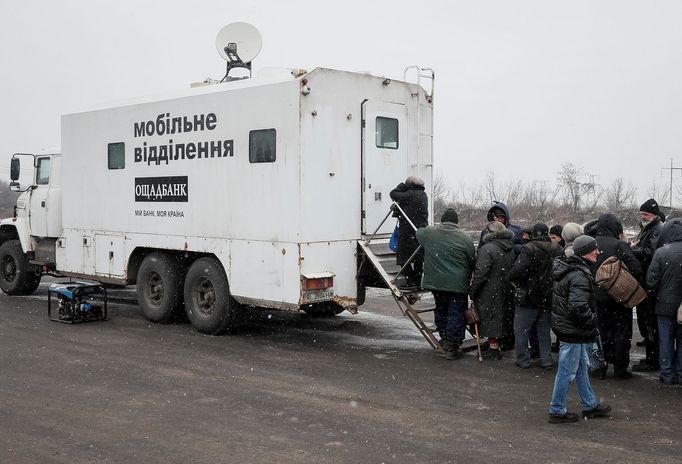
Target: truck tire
x,y
17,275
210,308
159,288
326,309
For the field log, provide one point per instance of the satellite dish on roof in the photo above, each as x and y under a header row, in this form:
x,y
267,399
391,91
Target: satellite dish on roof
x,y
238,44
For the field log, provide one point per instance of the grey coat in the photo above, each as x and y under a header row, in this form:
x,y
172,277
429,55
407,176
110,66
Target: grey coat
x,y
491,289
665,272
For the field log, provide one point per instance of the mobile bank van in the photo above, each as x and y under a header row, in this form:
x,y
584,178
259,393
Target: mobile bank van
x,y
246,192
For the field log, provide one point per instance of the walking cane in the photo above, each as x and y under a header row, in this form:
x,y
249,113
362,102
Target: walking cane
x,y
478,342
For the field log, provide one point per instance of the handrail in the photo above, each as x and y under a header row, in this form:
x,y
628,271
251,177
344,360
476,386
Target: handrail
x,y
426,73
393,207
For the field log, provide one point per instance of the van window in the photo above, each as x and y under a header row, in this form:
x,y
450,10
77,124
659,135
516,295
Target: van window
x,y
116,155
386,133
43,171
263,146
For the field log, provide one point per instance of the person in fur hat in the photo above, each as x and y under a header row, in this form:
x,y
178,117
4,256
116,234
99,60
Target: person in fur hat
x,y
411,196
500,213
491,289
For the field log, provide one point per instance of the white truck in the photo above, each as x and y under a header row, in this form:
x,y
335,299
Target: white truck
x,y
248,192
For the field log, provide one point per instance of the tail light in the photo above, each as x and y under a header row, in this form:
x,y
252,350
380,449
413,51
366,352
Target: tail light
x,y
316,283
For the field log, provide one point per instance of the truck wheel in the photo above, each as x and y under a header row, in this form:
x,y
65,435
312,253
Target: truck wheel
x,y
17,275
208,303
326,309
159,288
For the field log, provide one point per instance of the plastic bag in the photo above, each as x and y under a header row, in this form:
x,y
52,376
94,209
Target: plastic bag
x,y
596,355
393,242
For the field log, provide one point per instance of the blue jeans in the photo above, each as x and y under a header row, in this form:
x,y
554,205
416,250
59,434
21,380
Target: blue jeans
x,y
670,356
574,364
524,320
449,315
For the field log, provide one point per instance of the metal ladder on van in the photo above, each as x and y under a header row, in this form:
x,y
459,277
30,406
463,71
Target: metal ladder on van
x,y
401,296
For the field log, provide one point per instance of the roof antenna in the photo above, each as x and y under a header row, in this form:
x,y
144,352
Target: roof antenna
x,y
238,44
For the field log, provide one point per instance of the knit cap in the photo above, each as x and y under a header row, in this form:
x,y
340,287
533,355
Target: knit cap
x,y
650,206
584,244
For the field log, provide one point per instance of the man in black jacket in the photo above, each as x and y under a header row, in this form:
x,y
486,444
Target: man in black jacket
x,y
613,319
665,278
574,323
643,248
411,197
532,277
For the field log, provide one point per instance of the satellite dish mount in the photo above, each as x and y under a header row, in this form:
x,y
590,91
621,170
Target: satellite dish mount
x,y
238,44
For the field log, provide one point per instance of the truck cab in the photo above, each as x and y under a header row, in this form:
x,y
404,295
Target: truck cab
x,y
27,240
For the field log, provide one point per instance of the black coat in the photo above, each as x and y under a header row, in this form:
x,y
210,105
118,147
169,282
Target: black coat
x,y
414,202
574,319
648,242
532,272
665,272
491,289
608,231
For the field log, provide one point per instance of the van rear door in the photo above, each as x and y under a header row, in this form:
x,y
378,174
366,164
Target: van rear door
x,y
384,160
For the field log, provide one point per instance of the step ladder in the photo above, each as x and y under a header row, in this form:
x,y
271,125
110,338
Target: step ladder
x,y
404,297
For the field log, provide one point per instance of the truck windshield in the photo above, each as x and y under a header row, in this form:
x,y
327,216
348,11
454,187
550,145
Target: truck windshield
x,y
43,171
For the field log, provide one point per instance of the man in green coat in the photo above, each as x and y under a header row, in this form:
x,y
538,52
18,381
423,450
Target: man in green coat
x,y
449,259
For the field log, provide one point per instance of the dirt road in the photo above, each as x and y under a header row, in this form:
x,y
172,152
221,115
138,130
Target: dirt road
x,y
291,389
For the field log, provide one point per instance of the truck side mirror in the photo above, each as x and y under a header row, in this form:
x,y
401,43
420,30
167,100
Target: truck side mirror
x,y
14,169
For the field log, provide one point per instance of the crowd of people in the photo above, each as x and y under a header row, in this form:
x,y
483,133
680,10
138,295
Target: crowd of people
x,y
527,283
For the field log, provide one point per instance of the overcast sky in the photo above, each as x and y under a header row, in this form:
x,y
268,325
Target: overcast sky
x,y
521,86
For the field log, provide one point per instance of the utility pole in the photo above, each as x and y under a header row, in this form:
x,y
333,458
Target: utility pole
x,y
671,169
591,186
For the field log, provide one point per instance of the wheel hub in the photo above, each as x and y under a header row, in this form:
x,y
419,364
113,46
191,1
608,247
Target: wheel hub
x,y
155,287
9,269
205,297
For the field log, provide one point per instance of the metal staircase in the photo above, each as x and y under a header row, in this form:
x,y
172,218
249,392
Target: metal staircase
x,y
383,261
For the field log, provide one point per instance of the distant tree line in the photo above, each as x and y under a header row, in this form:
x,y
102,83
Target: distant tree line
x,y
574,197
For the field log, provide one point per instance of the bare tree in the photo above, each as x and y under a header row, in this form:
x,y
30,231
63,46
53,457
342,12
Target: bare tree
x,y
660,193
620,196
441,194
512,193
491,186
472,196
569,180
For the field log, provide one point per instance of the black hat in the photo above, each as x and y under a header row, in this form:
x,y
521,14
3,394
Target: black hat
x,y
450,215
584,244
556,230
650,206
540,231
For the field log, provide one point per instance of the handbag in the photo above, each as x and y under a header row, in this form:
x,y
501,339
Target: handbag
x,y
471,315
614,277
679,314
393,242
